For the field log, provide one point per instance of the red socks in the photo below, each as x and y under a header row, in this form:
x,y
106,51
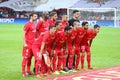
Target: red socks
x,y
24,63
89,60
82,62
77,60
54,63
60,62
70,60
29,64
37,66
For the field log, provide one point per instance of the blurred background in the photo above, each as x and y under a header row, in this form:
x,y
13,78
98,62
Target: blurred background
x,y
103,12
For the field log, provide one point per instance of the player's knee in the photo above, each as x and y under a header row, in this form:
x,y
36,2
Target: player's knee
x,y
88,53
83,54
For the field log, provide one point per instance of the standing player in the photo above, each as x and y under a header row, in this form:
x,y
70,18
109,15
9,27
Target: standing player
x,y
61,46
60,49
79,37
86,43
43,24
64,21
53,18
76,15
39,49
71,44
28,38
58,26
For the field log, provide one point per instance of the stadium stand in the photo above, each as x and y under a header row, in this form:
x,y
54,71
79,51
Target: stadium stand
x,y
1,1
97,4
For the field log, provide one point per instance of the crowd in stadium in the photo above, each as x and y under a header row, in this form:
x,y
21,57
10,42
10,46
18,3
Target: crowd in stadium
x,y
57,46
3,1
85,15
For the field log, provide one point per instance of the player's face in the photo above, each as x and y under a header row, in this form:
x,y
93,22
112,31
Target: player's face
x,y
65,17
86,26
55,17
34,17
69,31
77,14
46,15
53,30
59,27
97,30
77,25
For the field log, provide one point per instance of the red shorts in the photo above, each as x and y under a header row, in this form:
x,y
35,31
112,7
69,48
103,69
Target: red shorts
x,y
77,50
27,52
59,52
71,51
36,51
85,48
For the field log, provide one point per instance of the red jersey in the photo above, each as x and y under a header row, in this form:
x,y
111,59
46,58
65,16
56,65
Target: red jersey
x,y
51,22
72,37
30,29
64,24
60,39
42,26
88,36
80,34
46,37
38,42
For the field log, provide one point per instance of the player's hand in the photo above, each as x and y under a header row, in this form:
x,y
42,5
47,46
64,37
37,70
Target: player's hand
x,y
66,51
39,56
52,53
73,47
36,39
25,45
62,49
42,33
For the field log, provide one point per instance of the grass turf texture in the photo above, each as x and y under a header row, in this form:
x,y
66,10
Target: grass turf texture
x,y
105,51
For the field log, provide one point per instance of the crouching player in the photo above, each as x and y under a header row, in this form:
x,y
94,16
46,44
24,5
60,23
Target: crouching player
x,y
79,37
86,44
60,48
39,49
29,38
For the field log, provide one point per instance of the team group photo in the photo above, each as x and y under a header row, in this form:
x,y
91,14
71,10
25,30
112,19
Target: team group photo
x,y
61,42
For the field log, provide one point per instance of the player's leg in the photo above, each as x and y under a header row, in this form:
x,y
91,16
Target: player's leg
x,y
43,67
24,60
64,61
30,54
82,56
60,60
37,67
89,57
77,58
71,57
38,61
50,55
55,60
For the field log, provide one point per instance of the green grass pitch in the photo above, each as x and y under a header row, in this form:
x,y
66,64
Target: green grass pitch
x,y
105,51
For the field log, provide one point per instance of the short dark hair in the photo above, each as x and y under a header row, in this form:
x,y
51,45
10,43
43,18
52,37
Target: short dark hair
x,y
52,13
32,14
50,27
44,13
67,28
57,23
75,11
84,23
96,26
